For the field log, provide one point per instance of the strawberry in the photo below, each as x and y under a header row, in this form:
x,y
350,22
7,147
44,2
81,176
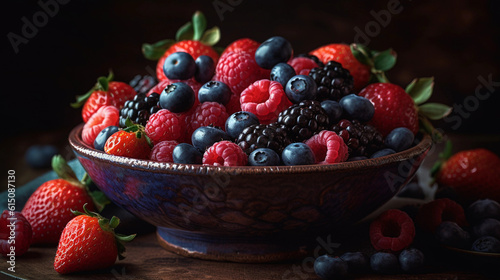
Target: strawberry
x,y
131,142
48,209
104,93
191,38
342,54
89,242
473,174
244,45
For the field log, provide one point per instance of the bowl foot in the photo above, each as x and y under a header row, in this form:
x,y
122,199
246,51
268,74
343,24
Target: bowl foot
x,y
233,249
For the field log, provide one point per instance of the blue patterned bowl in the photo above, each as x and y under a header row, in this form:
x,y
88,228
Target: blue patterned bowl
x,y
247,214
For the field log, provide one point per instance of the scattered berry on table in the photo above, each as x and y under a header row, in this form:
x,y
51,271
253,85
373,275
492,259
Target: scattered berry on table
x,y
361,139
333,110
272,136
432,214
186,153
103,136
303,120
412,260
385,263
177,98
355,107
399,139
163,151
40,156
392,231
300,88
238,121
356,261
205,136
487,227
225,153
281,73
215,91
206,114
297,154
104,117
486,244
303,65
142,84
179,66
238,70
332,80
412,190
205,69
328,147
273,51
131,142
451,234
327,267
482,209
263,157
165,125
383,153
13,221
139,109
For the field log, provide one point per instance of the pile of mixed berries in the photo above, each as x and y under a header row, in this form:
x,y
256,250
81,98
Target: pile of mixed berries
x,y
256,104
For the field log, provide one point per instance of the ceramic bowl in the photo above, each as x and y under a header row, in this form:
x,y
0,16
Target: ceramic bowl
x,y
247,214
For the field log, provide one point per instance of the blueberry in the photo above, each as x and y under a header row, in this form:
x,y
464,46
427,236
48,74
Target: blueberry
x,y
451,234
297,154
205,69
188,154
486,244
177,98
383,153
356,261
383,262
40,156
263,157
215,91
101,138
411,260
328,267
179,66
482,209
205,136
273,51
333,110
356,107
487,227
238,121
412,190
282,72
299,88
399,139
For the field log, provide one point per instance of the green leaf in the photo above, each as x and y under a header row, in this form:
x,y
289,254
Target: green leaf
x,y
443,156
100,200
186,32
62,169
434,111
125,238
80,99
385,60
211,36
362,54
102,83
155,51
114,222
199,25
420,89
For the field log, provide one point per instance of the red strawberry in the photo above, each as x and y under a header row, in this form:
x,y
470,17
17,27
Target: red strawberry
x,y
104,93
49,208
244,44
131,142
473,174
393,107
89,242
342,54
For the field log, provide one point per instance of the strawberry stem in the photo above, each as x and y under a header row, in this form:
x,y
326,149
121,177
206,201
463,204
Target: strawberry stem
x,y
102,84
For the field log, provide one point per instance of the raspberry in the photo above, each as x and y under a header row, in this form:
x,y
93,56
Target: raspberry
x,y
164,125
238,70
432,214
206,114
163,151
22,230
225,153
266,99
392,231
328,147
302,65
104,117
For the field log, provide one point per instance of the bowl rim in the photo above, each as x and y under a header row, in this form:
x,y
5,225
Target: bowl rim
x,y
86,150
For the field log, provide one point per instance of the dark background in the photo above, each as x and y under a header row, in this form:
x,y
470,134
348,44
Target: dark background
x,y
454,41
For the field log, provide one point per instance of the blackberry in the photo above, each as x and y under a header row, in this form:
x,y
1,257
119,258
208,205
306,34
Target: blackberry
x,y
272,136
140,108
361,139
333,81
303,120
313,57
142,84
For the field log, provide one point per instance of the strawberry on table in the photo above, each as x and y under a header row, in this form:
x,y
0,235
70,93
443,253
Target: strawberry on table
x,y
89,242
